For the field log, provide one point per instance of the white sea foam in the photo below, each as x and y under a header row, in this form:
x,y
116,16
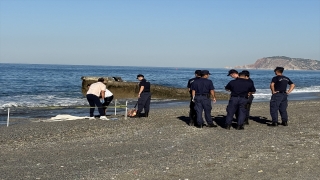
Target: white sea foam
x,y
265,94
41,101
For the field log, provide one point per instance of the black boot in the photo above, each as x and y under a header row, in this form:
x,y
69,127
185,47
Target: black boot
x,y
246,121
146,114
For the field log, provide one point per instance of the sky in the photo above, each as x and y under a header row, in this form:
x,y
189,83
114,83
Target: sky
x,y
157,33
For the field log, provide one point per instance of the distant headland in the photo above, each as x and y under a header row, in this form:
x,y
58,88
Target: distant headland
x,y
283,61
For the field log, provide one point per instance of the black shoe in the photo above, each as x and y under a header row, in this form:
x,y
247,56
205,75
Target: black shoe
x,y
240,127
211,125
228,126
246,122
274,124
191,122
199,126
146,114
284,123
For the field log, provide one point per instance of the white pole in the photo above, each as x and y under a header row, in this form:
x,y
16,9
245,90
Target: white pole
x,y
125,115
8,117
115,107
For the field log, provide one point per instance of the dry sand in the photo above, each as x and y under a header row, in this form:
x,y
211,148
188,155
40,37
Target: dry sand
x,y
163,146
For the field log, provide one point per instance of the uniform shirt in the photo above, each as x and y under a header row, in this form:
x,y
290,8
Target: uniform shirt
x,y
146,85
96,88
202,86
241,87
108,93
190,82
280,83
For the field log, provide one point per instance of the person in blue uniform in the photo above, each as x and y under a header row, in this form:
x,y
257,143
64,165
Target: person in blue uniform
x,y
192,112
234,74
279,101
240,89
202,89
250,98
144,96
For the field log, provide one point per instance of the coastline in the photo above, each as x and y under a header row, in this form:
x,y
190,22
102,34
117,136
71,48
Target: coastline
x,y
163,146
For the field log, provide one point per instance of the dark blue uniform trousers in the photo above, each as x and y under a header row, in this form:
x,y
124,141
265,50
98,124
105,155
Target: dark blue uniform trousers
x,y
279,102
95,101
192,113
236,103
144,102
203,103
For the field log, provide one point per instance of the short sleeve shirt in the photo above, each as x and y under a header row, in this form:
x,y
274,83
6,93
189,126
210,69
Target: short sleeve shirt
x,y
96,88
240,87
146,85
280,83
108,93
202,86
191,81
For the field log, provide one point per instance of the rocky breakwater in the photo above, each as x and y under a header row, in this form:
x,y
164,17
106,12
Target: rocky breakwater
x,y
123,90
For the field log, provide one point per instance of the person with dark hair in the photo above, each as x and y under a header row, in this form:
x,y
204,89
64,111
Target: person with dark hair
x,y
202,89
93,94
144,97
240,88
192,112
279,98
250,98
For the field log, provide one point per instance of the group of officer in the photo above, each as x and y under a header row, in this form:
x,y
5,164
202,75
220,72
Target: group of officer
x,y
241,88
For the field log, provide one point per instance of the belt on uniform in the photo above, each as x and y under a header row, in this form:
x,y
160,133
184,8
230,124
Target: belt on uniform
x,y
146,91
282,92
241,96
202,94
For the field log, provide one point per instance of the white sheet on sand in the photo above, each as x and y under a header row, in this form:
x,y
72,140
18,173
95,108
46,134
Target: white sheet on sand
x,y
66,117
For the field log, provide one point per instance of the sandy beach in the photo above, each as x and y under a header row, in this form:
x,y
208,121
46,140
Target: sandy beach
x,y
163,146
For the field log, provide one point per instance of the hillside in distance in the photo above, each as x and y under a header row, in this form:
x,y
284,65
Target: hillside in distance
x,y
283,61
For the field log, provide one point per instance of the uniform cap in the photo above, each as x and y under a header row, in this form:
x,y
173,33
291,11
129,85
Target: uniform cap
x,y
140,75
205,72
231,71
247,73
198,72
278,68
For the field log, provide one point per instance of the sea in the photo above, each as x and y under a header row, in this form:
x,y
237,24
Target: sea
x,y
46,90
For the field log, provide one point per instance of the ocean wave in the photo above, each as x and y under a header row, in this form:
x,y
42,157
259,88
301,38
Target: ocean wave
x,y
32,101
41,101
265,94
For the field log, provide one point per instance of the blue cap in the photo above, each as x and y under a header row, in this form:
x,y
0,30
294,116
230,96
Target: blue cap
x,y
140,75
205,72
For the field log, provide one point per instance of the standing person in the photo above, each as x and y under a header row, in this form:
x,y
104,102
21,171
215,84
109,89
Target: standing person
x,y
144,96
95,90
192,112
279,101
240,88
250,98
234,74
202,88
108,97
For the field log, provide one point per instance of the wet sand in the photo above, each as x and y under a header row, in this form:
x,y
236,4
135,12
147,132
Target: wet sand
x,y
163,146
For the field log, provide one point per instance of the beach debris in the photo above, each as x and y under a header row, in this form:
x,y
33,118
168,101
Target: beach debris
x,y
65,117
260,171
